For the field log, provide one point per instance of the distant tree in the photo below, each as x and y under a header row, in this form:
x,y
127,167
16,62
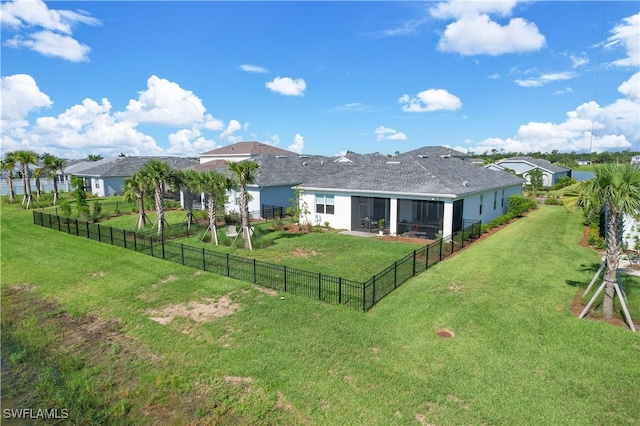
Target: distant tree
x,y
94,157
215,186
82,207
122,154
536,179
157,173
8,164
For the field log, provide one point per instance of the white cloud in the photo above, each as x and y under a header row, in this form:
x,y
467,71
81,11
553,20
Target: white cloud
x,y
165,103
46,31
546,78
430,100
21,94
627,35
631,88
232,127
287,86
253,68
51,44
578,61
388,133
297,145
350,107
473,32
189,142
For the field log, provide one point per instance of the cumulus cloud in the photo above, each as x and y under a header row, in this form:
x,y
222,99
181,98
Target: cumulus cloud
x,y
164,103
388,133
189,142
287,86
578,61
232,127
631,88
46,31
253,68
297,145
546,78
627,35
21,94
430,100
473,32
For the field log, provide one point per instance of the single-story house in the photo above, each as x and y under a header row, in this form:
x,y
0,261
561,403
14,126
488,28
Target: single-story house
x,y
523,166
635,159
106,177
417,194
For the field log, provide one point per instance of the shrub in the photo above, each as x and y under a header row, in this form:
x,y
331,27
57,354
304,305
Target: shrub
x,y
65,208
519,204
595,240
96,211
552,201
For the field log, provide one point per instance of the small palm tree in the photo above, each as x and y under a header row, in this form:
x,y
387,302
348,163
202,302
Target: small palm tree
x,y
244,173
54,165
135,187
614,190
8,164
38,174
25,158
215,186
157,173
189,183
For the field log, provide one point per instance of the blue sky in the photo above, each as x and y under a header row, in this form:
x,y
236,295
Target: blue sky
x,y
181,78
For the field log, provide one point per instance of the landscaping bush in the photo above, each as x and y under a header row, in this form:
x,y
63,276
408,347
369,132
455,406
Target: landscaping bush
x,y
519,204
595,240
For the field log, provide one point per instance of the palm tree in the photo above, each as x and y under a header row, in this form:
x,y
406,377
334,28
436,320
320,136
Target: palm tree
x,y
244,173
54,164
189,182
135,187
37,174
25,158
156,173
215,186
614,190
8,164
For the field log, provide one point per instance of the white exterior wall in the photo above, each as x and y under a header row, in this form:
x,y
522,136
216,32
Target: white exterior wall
x,y
254,204
471,208
341,219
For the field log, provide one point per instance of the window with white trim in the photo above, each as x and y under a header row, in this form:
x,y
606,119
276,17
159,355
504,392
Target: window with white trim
x,y
325,204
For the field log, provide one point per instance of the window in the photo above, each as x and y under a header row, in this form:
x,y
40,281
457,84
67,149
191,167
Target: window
x,y
481,197
236,198
324,204
495,200
96,183
502,202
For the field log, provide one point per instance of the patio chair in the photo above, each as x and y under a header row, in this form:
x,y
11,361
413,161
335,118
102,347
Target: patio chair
x,y
232,232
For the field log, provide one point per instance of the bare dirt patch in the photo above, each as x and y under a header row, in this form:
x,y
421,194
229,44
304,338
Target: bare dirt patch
x,y
238,381
265,290
446,333
168,279
578,304
300,252
203,311
98,274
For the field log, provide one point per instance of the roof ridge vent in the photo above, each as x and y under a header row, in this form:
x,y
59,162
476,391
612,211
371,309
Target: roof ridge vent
x,y
394,162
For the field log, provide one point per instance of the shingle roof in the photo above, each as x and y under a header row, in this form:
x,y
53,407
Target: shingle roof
x,y
436,150
125,166
412,174
539,162
247,148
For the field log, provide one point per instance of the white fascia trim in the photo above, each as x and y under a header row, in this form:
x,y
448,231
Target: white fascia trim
x,y
385,193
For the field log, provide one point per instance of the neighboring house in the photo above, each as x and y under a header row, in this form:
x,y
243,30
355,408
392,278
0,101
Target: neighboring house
x,y
584,162
635,159
523,166
417,194
442,151
106,177
241,151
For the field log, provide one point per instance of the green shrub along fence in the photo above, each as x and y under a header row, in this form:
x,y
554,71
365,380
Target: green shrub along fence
x,y
327,288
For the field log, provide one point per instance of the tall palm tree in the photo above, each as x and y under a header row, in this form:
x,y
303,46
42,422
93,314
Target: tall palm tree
x,y
215,186
189,184
38,174
244,173
54,165
614,190
25,158
157,173
8,164
135,187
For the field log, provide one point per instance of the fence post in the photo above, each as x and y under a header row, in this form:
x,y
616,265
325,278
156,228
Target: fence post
x,y
59,227
88,234
426,259
162,243
364,295
135,241
228,265
150,244
124,238
414,264
395,274
339,290
68,226
204,260
285,277
373,301
319,286
441,242
50,222
254,271
77,229
182,252
111,234
99,236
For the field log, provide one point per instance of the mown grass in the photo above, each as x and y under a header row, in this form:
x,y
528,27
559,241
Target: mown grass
x,y
519,356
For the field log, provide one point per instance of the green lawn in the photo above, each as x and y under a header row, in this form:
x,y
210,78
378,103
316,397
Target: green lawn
x,y
80,313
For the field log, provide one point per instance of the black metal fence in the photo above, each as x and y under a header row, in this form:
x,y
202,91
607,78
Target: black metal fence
x,y
327,288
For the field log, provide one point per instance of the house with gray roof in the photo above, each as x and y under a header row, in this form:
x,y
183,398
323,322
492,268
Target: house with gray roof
x,y
240,151
523,166
106,177
416,194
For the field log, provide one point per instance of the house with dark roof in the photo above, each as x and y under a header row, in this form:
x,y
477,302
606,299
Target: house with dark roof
x,y
106,177
241,151
523,166
421,195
